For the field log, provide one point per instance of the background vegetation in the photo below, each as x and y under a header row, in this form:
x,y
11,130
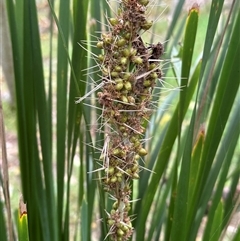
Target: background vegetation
x,y
189,185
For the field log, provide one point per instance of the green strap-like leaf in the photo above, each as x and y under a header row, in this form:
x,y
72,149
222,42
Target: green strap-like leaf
x,y
23,227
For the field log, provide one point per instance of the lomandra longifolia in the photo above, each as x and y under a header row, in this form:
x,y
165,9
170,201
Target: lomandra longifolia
x,y
130,69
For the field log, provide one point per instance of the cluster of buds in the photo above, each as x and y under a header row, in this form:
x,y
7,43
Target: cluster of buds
x,y
129,73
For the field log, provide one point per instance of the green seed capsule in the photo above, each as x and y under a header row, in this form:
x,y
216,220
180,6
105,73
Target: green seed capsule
x,y
119,179
124,99
110,222
135,176
100,57
113,21
135,168
147,83
110,170
126,76
118,80
126,52
116,152
147,25
119,174
122,153
133,52
119,11
127,209
118,68
137,143
107,180
123,61
146,92
131,100
114,74
121,42
115,205
118,225
123,119
142,152
143,98
127,36
122,128
120,232
133,139
107,40
104,71
104,35
113,179
124,92
137,60
119,86
129,172
125,228
113,212
135,162
152,66
144,2
100,45
127,24
116,54
129,224
136,157
128,85
154,75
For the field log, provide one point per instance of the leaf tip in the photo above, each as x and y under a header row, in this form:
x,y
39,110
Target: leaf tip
x,y
22,207
195,8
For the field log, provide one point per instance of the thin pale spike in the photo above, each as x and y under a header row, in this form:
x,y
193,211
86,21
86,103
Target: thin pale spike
x,y
132,129
144,168
89,93
87,50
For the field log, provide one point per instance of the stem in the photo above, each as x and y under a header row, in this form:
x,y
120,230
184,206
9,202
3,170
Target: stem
x,y
129,73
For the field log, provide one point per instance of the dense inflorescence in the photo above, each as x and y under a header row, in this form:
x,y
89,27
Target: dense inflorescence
x,y
129,73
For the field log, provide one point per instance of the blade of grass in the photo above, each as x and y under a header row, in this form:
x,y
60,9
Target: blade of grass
x,y
216,226
230,205
213,58
50,82
80,9
225,95
16,39
22,221
84,221
188,46
175,19
35,102
223,162
179,228
237,235
161,207
5,179
227,89
215,13
2,217
62,76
